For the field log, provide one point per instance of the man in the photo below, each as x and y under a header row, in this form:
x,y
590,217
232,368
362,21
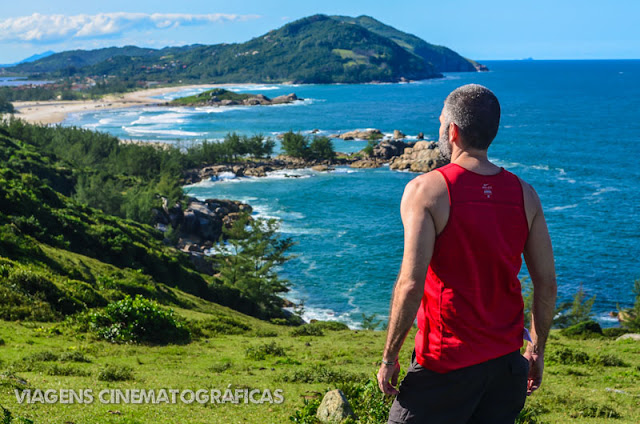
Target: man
x,y
466,226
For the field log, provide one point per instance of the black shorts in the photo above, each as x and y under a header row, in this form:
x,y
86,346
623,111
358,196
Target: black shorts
x,y
492,392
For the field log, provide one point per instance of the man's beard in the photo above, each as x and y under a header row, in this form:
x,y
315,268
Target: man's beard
x,y
444,146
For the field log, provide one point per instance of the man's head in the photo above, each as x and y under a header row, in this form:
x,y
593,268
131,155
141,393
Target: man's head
x,y
472,114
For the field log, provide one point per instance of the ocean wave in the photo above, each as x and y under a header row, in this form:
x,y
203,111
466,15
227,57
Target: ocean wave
x,y
158,132
561,208
164,118
250,87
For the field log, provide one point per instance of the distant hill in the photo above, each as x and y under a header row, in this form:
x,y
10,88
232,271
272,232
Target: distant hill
x,y
31,58
316,49
442,58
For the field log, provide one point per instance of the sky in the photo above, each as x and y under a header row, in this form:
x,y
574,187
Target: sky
x,y
482,30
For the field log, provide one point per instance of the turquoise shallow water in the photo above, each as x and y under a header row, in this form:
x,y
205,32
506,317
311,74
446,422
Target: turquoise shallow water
x,y
570,128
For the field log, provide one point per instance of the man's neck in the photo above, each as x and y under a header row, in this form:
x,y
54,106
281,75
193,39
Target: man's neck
x,y
474,160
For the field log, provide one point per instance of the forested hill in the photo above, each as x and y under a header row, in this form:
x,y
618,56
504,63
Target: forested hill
x,y
316,49
442,58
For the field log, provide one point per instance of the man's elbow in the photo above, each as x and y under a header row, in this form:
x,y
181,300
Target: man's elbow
x,y
410,287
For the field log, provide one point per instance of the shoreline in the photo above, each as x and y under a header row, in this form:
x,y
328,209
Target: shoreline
x,y
56,111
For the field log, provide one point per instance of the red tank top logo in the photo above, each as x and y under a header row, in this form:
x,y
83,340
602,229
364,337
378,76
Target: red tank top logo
x,y
487,190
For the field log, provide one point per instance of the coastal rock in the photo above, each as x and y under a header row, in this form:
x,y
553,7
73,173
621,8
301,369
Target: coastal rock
x,y
424,156
258,171
398,135
334,408
420,136
288,98
321,168
359,134
366,163
630,336
228,102
387,149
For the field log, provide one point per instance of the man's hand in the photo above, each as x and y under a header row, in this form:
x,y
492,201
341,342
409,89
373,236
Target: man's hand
x,y
536,367
388,378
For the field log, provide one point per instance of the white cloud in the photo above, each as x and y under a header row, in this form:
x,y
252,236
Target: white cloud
x,y
39,28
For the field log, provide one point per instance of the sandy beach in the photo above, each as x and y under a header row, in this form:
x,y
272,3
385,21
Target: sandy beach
x,y
55,111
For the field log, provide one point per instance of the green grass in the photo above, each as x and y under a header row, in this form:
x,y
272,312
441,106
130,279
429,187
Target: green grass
x,y
203,97
55,356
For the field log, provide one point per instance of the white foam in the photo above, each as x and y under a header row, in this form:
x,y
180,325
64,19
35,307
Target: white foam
x,y
164,118
167,133
561,208
253,88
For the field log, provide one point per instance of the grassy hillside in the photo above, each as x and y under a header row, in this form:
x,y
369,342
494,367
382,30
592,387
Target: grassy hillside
x,y
442,58
592,381
219,93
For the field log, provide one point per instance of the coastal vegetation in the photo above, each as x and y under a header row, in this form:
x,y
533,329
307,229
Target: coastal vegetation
x,y
315,49
300,146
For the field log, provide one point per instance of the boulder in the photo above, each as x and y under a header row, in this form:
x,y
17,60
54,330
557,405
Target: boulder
x,y
424,156
288,98
365,163
258,171
321,168
334,408
228,102
630,336
387,149
398,135
359,134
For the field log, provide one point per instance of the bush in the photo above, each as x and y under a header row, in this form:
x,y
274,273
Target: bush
x,y
330,325
614,332
220,325
566,356
575,312
307,330
583,330
260,352
138,320
630,318
115,373
322,374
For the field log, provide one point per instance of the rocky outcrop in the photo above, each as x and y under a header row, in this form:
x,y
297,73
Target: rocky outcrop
x,y
359,134
334,408
200,225
629,336
424,156
398,135
366,163
257,168
387,149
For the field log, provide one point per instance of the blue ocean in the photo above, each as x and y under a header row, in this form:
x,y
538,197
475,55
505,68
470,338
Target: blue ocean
x,y
570,128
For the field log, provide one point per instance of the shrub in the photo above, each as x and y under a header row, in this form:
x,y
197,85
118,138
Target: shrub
x,y
62,370
307,330
138,320
566,356
330,325
220,325
614,332
74,356
262,351
321,374
607,360
631,317
115,373
583,330
575,312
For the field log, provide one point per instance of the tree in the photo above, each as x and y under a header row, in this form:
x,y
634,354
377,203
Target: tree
x,y
575,312
321,148
295,145
248,260
5,105
630,318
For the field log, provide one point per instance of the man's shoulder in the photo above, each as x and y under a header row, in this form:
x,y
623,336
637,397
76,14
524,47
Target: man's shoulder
x,y
429,186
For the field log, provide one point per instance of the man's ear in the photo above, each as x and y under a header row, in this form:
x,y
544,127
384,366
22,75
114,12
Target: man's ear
x,y
454,132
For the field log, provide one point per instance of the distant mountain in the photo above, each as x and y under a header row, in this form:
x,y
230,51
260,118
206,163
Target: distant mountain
x,y
316,49
442,58
31,58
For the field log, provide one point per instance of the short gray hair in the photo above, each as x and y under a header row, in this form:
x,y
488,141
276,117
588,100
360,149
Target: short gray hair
x,y
476,111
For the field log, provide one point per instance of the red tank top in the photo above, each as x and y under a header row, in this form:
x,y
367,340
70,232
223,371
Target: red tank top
x,y
472,308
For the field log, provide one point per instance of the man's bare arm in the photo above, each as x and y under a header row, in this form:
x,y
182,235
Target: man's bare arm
x,y
419,239
538,255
